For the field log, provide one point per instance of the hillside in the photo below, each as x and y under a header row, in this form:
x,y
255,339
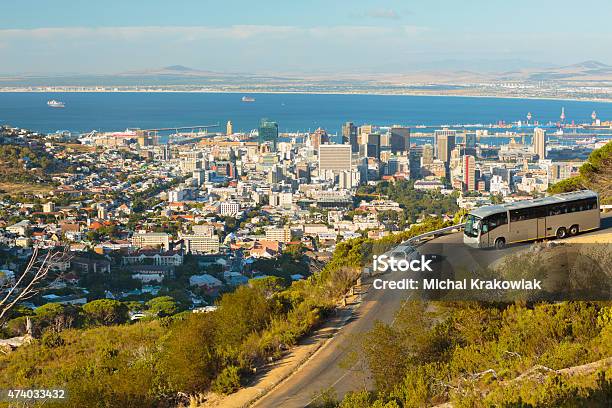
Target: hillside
x,y
595,174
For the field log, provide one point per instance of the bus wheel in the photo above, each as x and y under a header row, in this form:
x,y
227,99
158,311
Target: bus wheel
x,y
500,243
561,233
573,230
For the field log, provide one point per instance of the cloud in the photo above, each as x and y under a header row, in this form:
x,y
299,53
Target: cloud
x,y
245,48
383,13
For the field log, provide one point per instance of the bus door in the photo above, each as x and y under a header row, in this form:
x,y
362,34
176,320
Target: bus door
x,y
541,228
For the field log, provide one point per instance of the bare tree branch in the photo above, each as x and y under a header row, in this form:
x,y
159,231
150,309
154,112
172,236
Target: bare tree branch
x,y
28,284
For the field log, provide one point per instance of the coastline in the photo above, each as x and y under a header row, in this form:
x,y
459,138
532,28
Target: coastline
x,y
301,92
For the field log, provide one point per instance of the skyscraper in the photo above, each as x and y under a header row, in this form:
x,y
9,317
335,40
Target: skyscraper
x,y
334,157
318,138
400,139
445,142
469,173
539,142
363,132
268,132
470,140
349,136
370,145
428,154
229,130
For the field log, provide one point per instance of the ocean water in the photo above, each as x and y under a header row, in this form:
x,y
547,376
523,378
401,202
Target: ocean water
x,y
85,112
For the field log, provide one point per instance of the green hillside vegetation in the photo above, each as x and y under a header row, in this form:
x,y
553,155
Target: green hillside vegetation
x,y
595,174
24,164
414,203
149,363
477,355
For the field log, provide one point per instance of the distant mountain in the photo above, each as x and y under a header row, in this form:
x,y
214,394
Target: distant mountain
x,y
179,68
441,73
583,71
589,65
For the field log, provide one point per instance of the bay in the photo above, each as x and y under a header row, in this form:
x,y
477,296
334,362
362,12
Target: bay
x,y
115,111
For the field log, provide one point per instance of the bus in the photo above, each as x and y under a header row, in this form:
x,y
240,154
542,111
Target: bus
x,y
557,216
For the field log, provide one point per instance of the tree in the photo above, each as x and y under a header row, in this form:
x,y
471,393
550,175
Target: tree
x,y
29,282
55,316
105,312
268,285
163,306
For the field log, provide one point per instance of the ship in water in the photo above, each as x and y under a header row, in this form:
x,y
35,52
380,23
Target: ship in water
x,y
586,141
248,99
55,104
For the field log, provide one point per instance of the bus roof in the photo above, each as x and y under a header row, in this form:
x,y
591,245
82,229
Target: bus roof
x,y
558,198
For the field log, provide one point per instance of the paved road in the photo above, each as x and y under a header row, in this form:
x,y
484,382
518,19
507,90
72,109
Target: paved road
x,y
328,367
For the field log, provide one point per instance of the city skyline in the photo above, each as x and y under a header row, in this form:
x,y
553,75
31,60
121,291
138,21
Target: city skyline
x,y
390,36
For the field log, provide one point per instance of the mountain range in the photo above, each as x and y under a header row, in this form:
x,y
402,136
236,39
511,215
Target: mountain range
x,y
587,72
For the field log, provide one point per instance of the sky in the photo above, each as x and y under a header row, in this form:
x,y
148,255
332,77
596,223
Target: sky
x,y
307,36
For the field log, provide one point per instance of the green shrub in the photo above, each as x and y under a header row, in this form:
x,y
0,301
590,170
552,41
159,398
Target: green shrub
x,y
228,381
52,339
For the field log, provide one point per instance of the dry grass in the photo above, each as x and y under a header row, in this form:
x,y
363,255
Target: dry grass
x,y
77,147
21,188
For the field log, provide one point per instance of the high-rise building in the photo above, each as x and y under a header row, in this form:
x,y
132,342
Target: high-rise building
x,y
370,145
428,154
399,139
445,142
229,129
363,132
302,170
349,136
268,132
318,138
539,142
398,164
334,157
469,173
470,140
416,156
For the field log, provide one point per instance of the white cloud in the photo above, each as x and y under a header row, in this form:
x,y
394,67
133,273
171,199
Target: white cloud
x,y
383,13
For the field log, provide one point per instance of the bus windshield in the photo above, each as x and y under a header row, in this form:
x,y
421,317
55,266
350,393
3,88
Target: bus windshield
x,y
472,226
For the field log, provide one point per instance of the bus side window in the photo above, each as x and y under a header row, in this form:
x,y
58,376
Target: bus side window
x,y
537,212
591,203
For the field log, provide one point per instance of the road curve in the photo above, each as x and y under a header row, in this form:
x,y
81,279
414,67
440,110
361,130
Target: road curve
x,y
328,369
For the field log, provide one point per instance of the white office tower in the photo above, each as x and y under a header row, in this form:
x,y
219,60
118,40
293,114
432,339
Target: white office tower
x,y
539,143
334,157
349,179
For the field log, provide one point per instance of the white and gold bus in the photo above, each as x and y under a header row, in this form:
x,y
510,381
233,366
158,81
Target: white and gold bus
x,y
557,216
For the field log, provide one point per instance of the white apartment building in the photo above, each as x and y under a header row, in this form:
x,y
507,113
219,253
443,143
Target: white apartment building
x,y
201,244
143,239
229,208
279,234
